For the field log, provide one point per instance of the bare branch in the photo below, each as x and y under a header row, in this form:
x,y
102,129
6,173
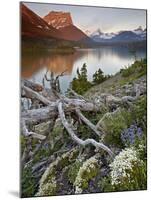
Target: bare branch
x,y
31,94
34,86
27,133
78,140
62,74
88,123
46,76
76,95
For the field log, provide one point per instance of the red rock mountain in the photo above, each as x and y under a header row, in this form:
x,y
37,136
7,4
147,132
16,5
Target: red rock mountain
x,y
58,19
63,22
55,25
73,33
34,26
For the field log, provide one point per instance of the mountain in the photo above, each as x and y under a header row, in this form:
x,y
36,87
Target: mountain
x,y
73,33
34,26
138,30
58,19
142,33
122,36
126,36
62,21
99,36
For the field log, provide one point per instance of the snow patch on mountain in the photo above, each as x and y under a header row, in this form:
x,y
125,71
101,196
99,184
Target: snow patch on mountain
x,y
137,34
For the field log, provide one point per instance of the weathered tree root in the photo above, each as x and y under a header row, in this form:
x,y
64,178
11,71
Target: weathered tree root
x,y
88,123
51,110
78,140
28,133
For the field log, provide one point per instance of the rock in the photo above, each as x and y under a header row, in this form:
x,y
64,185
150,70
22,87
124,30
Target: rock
x,y
58,19
42,128
126,99
138,89
112,99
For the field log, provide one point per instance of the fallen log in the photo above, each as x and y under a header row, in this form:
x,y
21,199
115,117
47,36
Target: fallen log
x,y
40,114
34,86
51,111
31,94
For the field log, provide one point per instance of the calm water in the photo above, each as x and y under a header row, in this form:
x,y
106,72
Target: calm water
x,y
109,59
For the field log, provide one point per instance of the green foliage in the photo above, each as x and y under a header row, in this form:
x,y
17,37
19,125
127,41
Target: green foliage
x,y
28,183
73,170
35,45
48,183
81,84
105,184
128,171
87,172
139,68
99,77
138,181
140,112
113,127
139,176
23,141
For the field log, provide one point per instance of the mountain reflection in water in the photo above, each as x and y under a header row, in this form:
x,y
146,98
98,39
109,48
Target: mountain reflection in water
x,y
109,59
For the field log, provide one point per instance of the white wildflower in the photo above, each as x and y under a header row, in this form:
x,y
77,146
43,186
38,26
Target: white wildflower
x,y
88,166
123,165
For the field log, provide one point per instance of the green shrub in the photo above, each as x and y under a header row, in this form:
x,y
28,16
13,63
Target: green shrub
x,y
48,183
128,171
99,77
28,183
127,71
140,112
81,84
114,125
139,68
73,171
105,184
87,172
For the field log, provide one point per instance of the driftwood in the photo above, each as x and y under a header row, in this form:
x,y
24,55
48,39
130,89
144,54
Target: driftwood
x,y
34,86
51,110
88,123
54,107
53,104
28,133
31,94
79,141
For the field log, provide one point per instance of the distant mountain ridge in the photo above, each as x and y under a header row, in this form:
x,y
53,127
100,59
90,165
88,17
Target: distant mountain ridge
x,y
121,36
57,28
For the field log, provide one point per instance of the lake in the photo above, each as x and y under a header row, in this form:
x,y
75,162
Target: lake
x,y
109,59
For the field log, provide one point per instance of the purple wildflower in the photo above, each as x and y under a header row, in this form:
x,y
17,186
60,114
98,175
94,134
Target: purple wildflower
x,y
129,135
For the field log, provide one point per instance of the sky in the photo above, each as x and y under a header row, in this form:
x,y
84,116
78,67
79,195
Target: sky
x,y
92,18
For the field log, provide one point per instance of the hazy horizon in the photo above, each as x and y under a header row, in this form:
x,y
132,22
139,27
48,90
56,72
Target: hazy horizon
x,y
106,19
